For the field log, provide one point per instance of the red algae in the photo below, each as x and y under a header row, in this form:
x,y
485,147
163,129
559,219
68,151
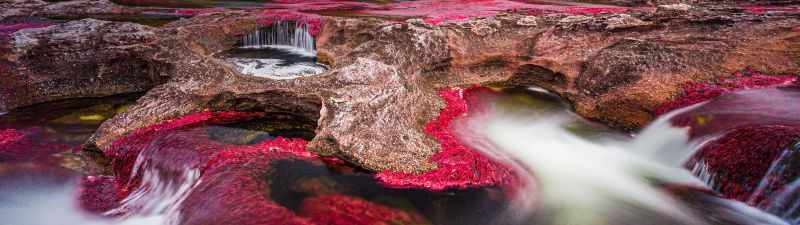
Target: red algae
x,y
194,12
345,210
434,12
760,9
312,21
8,29
573,10
431,11
458,165
29,144
740,159
123,153
235,178
696,92
98,193
237,193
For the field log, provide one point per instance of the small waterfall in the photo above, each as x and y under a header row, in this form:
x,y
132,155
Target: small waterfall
x,y
784,201
159,195
281,34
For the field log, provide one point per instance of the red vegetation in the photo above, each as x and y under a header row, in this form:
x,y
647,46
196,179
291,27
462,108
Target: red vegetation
x,y
8,29
434,12
313,21
235,179
574,10
98,193
345,210
194,12
758,9
696,92
741,158
29,144
458,165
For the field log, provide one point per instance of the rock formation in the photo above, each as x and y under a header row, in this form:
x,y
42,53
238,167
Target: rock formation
x,y
616,67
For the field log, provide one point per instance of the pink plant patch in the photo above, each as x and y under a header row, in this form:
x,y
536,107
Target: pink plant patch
x,y
740,159
458,165
98,193
30,144
313,21
699,91
345,210
194,12
759,9
8,29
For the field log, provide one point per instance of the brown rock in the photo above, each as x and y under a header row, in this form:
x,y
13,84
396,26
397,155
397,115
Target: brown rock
x,y
372,103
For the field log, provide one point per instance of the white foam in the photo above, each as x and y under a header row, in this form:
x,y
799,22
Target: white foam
x,y
272,68
290,49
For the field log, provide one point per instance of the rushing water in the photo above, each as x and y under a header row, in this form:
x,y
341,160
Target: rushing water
x,y
606,180
281,33
580,172
283,50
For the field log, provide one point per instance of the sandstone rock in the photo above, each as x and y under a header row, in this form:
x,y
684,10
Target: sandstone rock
x,y
372,103
621,21
674,8
527,21
84,58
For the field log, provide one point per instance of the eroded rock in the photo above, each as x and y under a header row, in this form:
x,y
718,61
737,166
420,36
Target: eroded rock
x,y
372,103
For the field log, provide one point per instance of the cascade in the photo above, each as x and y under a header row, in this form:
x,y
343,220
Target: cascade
x,y
280,34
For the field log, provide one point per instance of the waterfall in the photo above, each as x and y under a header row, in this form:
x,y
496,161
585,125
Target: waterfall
x,y
281,34
160,194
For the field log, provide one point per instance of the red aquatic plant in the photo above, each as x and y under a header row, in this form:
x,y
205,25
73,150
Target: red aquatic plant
x,y
699,91
458,165
235,184
30,144
740,158
758,9
434,12
98,193
234,187
312,21
124,152
194,12
7,29
346,210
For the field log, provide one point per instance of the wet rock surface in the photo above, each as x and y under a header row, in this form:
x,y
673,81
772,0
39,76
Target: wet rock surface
x,y
372,104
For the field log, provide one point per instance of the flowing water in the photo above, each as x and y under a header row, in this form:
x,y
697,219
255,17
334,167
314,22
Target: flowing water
x,y
601,180
281,33
580,172
283,50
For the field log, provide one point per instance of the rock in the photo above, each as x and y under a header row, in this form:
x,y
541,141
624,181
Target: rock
x,y
574,20
673,9
371,106
621,21
527,21
84,58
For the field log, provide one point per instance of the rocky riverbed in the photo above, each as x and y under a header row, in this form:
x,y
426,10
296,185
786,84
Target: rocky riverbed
x,y
391,69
